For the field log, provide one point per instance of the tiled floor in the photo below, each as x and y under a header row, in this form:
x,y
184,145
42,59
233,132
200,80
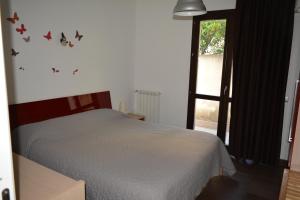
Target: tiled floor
x,y
249,183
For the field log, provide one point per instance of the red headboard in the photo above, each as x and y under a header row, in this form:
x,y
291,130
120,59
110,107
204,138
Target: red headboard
x,y
31,112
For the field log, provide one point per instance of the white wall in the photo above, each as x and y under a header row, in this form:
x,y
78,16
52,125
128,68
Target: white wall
x,y
162,54
104,56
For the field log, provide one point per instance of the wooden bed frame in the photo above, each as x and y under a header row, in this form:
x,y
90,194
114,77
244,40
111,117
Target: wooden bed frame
x,y
26,113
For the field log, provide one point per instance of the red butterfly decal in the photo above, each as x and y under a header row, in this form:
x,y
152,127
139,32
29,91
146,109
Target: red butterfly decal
x,y
14,18
54,70
22,29
14,52
71,45
48,36
26,39
75,71
78,36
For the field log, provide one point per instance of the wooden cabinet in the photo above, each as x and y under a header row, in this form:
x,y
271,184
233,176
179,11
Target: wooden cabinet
x,y
290,187
294,155
36,182
295,151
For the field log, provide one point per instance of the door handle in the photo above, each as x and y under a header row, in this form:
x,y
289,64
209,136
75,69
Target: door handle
x,y
225,90
5,194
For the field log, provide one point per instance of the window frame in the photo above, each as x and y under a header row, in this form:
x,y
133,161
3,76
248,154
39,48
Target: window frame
x,y
224,99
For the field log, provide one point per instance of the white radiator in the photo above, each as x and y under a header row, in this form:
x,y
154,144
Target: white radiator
x,y
147,103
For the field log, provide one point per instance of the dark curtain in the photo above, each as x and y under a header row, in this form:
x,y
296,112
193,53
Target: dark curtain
x,y
261,63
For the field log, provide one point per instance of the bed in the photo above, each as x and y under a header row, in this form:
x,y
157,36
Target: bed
x,y
119,158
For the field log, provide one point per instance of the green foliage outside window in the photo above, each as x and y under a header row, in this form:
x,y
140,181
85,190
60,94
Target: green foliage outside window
x,y
212,37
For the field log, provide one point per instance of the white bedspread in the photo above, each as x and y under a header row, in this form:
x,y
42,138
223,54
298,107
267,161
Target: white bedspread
x,y
125,159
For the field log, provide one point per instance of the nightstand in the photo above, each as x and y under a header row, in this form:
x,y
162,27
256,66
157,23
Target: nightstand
x,y
36,182
136,116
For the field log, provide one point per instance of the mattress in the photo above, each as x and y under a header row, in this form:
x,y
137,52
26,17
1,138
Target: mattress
x,y
125,159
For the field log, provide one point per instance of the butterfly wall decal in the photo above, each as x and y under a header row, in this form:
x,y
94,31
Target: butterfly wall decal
x,y
48,36
70,44
54,70
14,52
21,29
14,18
75,71
78,36
26,39
22,68
63,39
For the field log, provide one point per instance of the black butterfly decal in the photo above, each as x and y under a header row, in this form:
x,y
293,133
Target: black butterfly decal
x,y
14,52
26,39
75,71
63,39
78,36
54,70
21,68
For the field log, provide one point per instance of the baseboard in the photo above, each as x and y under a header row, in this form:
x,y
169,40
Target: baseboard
x,y
283,163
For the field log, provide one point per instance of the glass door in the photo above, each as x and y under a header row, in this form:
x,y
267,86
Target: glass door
x,y
210,74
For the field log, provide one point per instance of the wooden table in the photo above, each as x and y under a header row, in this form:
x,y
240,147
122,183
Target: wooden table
x,y
36,182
